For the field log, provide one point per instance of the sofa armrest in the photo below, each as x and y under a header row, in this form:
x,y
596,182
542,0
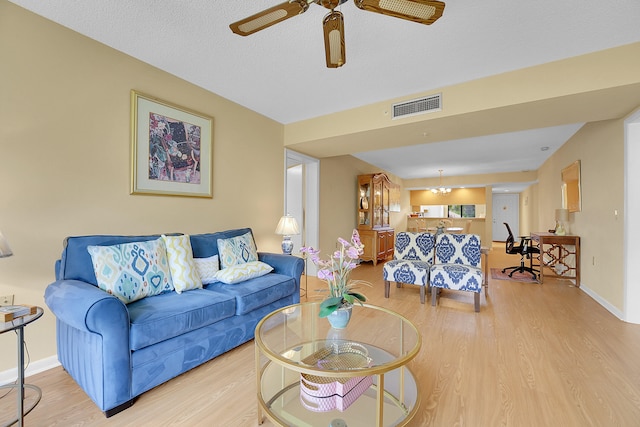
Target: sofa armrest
x,y
288,265
94,324
87,308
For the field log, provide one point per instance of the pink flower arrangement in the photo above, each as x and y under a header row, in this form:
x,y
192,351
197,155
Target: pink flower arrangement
x,y
336,270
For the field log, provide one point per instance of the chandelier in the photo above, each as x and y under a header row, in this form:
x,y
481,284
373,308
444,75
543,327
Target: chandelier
x,y
441,191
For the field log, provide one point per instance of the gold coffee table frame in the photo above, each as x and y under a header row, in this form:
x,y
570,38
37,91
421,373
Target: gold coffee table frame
x,y
286,338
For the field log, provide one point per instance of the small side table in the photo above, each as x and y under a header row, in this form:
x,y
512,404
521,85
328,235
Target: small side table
x,y
18,326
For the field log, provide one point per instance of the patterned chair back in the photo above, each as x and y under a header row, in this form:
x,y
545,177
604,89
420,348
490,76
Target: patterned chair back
x,y
414,246
458,249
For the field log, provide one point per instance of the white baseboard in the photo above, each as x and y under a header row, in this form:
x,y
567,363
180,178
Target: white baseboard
x,y
613,310
35,367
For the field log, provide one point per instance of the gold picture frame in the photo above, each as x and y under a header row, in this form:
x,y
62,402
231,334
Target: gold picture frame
x,y
571,187
171,149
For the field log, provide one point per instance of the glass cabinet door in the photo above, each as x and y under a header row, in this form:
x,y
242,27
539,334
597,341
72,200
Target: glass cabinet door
x,y
385,206
363,204
377,204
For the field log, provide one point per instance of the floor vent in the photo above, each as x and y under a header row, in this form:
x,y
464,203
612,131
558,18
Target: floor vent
x,y
418,106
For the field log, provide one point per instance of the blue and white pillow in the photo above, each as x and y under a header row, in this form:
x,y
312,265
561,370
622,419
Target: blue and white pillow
x,y
458,249
237,250
414,246
132,271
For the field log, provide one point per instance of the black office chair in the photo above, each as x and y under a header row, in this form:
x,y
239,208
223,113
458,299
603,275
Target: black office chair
x,y
525,250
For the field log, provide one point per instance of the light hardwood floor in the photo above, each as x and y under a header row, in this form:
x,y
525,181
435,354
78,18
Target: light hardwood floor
x,y
535,355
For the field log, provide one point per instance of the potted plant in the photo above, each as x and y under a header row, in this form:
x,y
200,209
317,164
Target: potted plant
x,y
336,271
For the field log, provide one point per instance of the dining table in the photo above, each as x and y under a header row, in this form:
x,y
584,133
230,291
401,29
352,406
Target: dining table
x,y
451,230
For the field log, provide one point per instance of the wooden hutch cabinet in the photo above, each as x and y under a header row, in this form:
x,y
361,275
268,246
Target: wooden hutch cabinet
x,y
375,194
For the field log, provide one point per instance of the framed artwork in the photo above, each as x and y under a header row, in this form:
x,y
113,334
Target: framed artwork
x,y
171,149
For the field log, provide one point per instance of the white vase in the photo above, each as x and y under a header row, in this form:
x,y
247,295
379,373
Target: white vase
x,y
339,319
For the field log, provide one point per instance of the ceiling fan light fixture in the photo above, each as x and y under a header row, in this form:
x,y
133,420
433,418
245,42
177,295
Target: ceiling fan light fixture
x,y
333,26
422,11
329,4
269,17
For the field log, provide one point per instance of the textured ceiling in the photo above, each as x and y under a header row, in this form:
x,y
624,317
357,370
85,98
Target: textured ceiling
x,y
507,152
280,72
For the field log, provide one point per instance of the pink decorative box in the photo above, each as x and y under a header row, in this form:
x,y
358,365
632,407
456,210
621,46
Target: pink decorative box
x,y
321,394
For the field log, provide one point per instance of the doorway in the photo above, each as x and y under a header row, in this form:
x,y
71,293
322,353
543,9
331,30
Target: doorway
x,y
302,199
631,224
506,208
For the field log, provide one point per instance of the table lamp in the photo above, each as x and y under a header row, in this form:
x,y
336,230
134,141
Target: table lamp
x,y
562,216
5,250
287,227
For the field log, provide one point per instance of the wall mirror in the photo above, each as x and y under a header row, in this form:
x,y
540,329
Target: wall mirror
x,y
571,198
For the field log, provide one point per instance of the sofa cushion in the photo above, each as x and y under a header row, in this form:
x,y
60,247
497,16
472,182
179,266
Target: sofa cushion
x,y
75,262
207,268
241,272
206,245
165,316
237,250
411,272
131,271
259,292
183,270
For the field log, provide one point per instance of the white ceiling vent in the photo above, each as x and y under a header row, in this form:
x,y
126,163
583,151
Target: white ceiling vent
x,y
417,106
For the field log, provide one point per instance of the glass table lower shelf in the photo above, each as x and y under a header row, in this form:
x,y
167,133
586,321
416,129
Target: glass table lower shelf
x,y
287,405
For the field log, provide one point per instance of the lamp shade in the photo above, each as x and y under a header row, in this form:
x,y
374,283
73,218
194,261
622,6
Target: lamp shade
x,y
5,250
562,215
287,226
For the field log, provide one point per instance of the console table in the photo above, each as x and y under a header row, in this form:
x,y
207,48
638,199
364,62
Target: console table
x,y
18,325
557,250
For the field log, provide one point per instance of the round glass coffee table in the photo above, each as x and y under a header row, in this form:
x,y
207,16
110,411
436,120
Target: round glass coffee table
x,y
309,374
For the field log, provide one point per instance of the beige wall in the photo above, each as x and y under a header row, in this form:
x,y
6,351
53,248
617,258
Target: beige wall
x,y
600,148
529,211
458,196
64,140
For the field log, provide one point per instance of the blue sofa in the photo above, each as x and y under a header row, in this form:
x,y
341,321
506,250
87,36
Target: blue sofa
x,y
117,351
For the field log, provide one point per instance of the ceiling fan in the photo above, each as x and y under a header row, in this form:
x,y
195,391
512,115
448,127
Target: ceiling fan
x,y
421,11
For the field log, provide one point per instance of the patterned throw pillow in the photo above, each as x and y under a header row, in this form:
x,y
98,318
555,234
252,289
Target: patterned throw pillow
x,y
241,272
183,269
132,271
237,250
207,268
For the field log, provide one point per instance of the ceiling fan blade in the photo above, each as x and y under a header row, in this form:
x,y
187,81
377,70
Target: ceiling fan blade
x,y
421,11
268,17
333,26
